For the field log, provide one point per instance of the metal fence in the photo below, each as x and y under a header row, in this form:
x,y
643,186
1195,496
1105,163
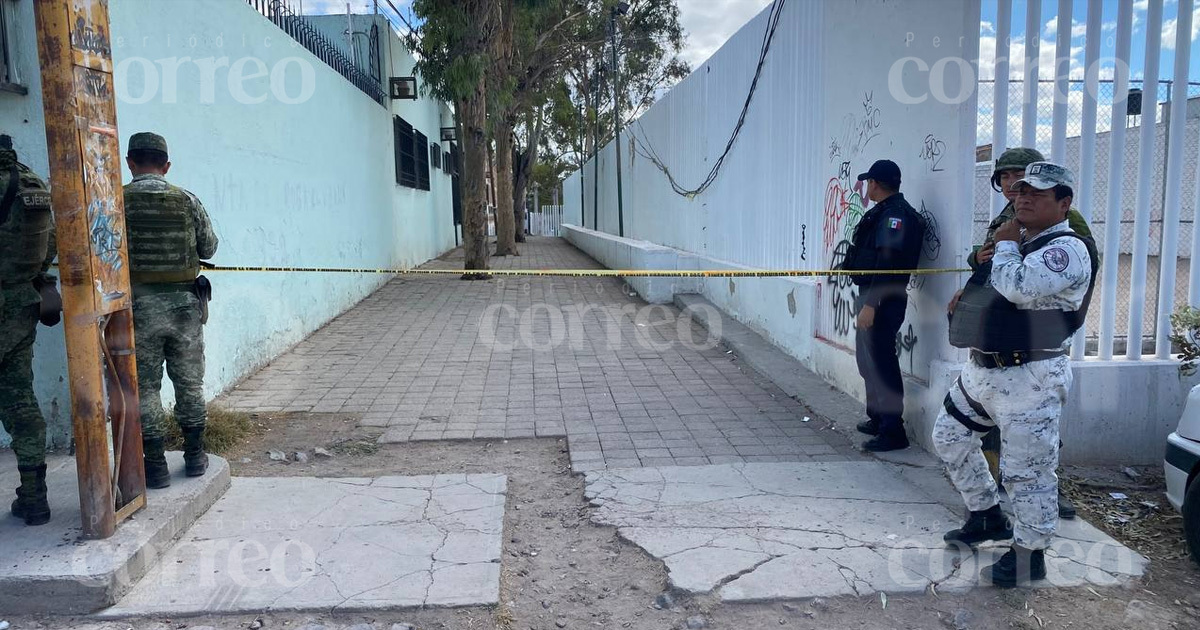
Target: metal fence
x,y
299,29
1098,211
546,222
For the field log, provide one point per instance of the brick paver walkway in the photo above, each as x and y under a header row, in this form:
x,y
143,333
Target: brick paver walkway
x,y
433,358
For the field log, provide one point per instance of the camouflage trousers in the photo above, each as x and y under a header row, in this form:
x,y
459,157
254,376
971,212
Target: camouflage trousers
x,y
1025,402
173,336
18,406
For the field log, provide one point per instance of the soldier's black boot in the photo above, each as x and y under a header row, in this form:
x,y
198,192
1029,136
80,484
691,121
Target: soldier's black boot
x,y
1017,567
195,460
31,504
870,427
989,524
155,462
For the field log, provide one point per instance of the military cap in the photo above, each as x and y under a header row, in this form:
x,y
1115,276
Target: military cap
x,y
147,141
1018,159
1047,175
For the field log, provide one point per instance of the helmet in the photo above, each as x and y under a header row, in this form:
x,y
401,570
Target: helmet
x,y
1014,159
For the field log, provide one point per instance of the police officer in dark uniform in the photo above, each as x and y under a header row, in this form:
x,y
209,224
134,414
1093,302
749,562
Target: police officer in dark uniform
x,y
888,237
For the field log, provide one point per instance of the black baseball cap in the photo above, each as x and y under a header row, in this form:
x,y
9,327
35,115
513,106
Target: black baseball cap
x,y
884,171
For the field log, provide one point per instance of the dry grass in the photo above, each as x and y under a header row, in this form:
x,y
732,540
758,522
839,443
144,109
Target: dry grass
x,y
225,430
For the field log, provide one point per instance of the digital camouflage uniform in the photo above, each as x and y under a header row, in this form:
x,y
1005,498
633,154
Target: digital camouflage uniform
x,y
27,248
169,233
1024,401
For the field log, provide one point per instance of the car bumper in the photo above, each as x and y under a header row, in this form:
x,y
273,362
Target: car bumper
x,y
1182,457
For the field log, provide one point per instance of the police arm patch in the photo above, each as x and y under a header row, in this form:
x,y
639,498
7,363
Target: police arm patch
x,y
1056,259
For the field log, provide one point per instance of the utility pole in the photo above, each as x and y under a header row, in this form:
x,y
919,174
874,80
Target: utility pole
x,y
621,8
596,152
75,53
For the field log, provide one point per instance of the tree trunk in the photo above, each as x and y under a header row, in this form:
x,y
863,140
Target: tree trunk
x,y
506,230
525,170
472,115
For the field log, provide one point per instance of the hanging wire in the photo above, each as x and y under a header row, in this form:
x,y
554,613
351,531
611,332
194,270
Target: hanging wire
x,y
649,153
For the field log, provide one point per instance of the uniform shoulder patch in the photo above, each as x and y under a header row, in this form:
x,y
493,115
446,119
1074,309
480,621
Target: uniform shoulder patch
x,y
895,223
35,199
1056,259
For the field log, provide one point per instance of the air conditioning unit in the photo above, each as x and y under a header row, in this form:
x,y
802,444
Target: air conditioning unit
x,y
403,88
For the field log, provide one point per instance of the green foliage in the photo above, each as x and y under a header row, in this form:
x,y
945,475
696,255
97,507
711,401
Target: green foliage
x,y
1185,334
452,49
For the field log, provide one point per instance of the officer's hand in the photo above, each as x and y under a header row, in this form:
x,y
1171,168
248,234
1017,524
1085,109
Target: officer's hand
x,y
866,317
985,253
954,300
1010,231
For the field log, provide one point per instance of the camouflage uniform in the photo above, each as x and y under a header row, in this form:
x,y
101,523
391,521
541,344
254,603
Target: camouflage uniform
x,y
169,232
1024,401
27,247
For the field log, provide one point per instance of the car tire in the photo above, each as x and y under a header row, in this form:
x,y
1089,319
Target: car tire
x,y
1191,518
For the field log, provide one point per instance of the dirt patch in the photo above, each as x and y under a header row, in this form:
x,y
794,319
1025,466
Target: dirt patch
x,y
560,571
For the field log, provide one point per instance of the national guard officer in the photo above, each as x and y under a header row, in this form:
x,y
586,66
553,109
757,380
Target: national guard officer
x,y
169,234
1010,167
889,236
1017,315
26,250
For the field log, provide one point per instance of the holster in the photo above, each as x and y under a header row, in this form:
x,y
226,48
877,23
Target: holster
x,y
202,289
50,309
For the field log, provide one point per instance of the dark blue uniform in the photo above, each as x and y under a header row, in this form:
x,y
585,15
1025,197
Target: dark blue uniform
x,y
889,236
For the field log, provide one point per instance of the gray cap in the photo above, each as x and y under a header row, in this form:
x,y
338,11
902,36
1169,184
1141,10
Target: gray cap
x,y
147,141
1046,175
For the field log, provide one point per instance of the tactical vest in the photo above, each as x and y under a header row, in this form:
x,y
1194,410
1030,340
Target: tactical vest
x,y
985,320
25,224
162,237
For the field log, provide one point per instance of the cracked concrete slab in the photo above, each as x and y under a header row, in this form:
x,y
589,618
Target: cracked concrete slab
x,y
304,543
755,532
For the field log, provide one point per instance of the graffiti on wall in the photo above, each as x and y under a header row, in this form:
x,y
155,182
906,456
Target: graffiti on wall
x,y
804,242
857,130
932,153
906,342
931,246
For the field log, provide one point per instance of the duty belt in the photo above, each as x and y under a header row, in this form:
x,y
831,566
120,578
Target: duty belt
x,y
993,360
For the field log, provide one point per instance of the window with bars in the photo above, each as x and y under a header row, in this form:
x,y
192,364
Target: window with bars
x,y
451,166
419,144
435,155
406,158
6,45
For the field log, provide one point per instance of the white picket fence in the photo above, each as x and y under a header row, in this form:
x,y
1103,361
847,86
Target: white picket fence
x,y
547,222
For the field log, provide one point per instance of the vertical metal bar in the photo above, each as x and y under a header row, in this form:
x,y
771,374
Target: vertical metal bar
x,y
1169,252
1087,150
1029,102
1146,164
1062,53
1116,176
1000,89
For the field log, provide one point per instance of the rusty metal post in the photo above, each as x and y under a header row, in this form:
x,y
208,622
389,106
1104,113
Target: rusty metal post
x,y
85,172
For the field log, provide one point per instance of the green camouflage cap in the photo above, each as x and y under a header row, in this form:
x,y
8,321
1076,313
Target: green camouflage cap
x,y
1018,159
147,141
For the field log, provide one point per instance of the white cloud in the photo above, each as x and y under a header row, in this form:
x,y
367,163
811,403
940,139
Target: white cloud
x,y
1169,32
710,24
986,27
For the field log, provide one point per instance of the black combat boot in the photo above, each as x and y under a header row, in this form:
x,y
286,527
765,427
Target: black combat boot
x,y
989,524
31,504
195,460
1018,567
155,461
870,427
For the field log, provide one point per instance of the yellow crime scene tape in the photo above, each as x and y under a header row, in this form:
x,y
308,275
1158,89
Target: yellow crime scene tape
x,y
633,273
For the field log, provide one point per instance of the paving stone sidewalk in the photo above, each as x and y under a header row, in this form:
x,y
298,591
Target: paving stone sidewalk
x,y
436,358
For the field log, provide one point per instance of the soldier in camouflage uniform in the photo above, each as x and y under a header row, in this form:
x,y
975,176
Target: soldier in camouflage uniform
x,y
26,249
169,234
1017,315
1010,167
